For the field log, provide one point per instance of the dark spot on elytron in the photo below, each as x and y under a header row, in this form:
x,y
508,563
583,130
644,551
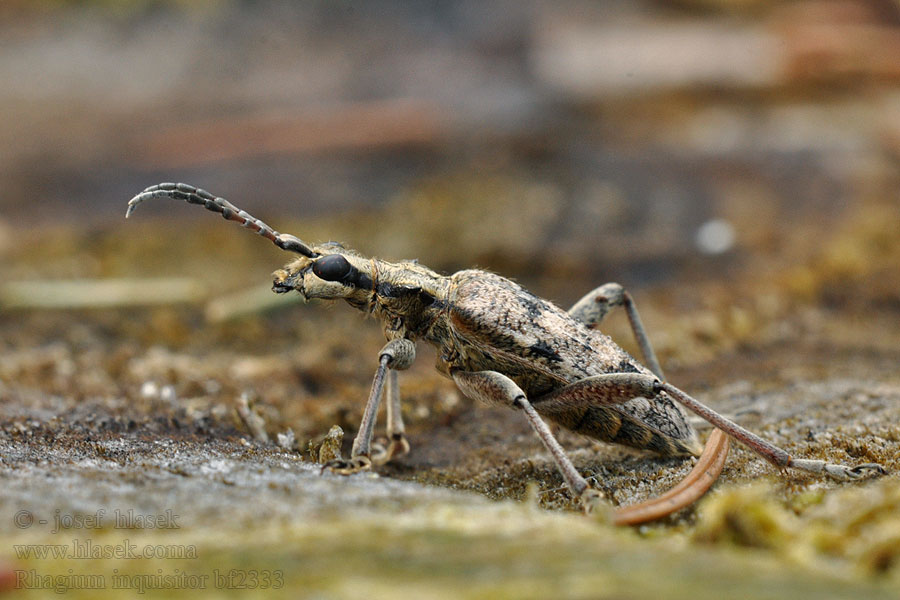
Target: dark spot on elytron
x,y
534,306
627,367
543,349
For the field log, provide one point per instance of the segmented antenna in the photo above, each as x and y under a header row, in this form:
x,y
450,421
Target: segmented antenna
x,y
194,195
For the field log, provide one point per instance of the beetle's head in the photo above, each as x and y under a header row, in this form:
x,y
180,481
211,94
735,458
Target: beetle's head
x,y
331,273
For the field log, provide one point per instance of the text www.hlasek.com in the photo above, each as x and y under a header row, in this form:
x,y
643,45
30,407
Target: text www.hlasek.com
x,y
88,550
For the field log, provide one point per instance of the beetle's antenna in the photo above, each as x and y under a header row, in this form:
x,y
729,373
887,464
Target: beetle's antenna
x,y
193,195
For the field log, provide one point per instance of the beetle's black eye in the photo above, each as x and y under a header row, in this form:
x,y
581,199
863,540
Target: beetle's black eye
x,y
333,267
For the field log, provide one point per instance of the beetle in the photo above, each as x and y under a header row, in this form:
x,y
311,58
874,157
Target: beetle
x,y
505,346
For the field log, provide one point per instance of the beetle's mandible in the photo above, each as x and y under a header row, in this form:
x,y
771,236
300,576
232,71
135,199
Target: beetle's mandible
x,y
502,345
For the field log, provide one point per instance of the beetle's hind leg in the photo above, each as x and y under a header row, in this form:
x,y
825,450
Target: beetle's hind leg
x,y
595,305
396,355
571,406
574,405
588,407
770,452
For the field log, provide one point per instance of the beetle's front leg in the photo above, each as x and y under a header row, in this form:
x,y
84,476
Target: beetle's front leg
x,y
396,444
397,354
495,388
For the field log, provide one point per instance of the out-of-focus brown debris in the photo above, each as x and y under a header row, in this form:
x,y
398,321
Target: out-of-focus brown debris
x,y
837,39
328,447
363,126
796,43
254,422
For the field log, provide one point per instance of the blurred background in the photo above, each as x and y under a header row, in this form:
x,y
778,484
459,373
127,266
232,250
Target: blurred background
x,y
580,139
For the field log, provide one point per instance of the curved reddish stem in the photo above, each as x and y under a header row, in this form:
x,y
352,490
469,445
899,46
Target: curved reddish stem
x,y
689,490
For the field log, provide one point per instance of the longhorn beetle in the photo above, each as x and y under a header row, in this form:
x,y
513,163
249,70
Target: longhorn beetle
x,y
504,346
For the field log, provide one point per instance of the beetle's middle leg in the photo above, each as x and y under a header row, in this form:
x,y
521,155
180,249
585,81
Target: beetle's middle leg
x,y
495,388
396,355
595,305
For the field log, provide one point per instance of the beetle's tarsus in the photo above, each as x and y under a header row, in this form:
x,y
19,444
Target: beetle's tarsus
x,y
384,450
593,503
838,472
341,466
875,469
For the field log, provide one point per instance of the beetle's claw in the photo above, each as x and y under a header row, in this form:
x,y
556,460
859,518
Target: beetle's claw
x,y
845,473
838,472
866,470
592,502
350,466
385,450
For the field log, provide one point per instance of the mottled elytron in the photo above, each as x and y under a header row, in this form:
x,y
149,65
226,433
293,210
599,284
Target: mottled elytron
x,y
502,345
